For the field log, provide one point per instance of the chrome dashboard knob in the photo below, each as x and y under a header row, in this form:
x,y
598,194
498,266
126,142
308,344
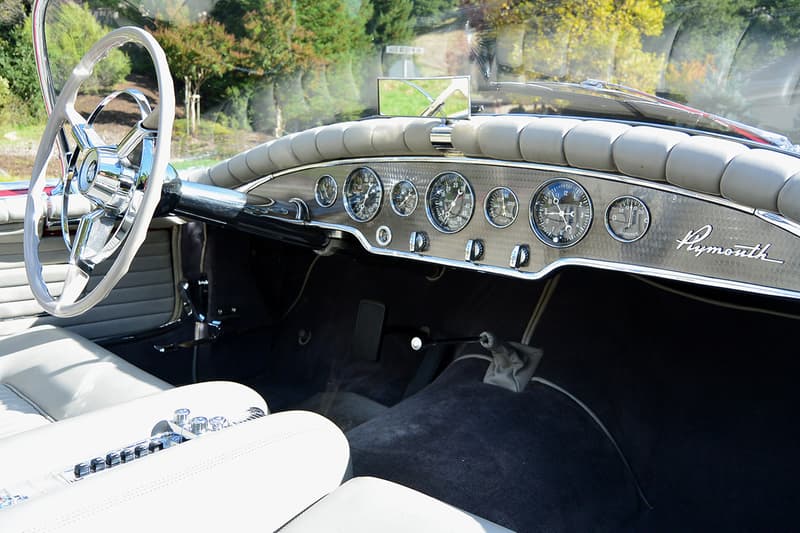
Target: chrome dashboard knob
x,y
181,416
520,256
418,241
217,423
474,250
198,425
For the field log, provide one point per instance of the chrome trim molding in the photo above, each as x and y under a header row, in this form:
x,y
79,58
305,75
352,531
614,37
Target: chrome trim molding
x,y
565,262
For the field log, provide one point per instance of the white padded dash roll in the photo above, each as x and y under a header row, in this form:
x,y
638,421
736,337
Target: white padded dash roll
x,y
543,141
589,145
756,177
642,151
697,163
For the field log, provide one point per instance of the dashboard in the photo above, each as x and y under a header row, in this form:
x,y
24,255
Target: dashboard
x,y
526,220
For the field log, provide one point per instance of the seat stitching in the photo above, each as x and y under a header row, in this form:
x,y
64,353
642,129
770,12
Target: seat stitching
x,y
27,400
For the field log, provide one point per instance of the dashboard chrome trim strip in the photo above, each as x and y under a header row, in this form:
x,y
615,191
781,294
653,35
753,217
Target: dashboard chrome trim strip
x,y
779,221
557,264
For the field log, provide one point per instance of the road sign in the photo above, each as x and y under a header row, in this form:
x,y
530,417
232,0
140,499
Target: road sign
x,y
405,50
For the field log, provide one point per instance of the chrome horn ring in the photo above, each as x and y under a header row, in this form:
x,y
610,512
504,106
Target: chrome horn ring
x,y
145,109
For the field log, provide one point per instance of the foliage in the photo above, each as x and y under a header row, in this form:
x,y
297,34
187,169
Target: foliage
x,y
274,44
12,14
196,51
22,104
432,8
334,32
391,22
70,35
575,40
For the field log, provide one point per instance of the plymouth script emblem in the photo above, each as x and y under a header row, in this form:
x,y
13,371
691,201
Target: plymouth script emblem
x,y
693,243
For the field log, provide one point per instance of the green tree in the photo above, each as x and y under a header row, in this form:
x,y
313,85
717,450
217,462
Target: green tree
x,y
72,31
333,32
391,22
22,101
432,8
197,51
574,39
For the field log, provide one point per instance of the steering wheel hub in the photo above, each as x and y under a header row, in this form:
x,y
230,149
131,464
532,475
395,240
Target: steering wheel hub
x,y
105,180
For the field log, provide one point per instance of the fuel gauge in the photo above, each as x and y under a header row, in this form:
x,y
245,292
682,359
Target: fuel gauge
x,y
627,219
325,191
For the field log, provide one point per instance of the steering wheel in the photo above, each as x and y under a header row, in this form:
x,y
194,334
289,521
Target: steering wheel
x,y
122,182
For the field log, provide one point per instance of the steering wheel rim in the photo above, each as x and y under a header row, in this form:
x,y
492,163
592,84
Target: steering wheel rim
x,y
125,199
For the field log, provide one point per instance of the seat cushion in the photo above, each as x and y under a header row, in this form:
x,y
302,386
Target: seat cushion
x,y
59,375
253,476
17,413
367,504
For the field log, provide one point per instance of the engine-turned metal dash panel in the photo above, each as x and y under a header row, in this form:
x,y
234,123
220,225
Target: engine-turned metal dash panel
x,y
688,236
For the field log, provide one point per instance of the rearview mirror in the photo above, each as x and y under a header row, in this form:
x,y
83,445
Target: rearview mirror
x,y
424,97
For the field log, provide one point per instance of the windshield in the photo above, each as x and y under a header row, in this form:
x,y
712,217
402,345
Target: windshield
x,y
250,70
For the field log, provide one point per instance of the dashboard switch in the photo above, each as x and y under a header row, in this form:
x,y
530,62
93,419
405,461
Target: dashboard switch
x,y
519,256
198,425
113,459
474,250
126,455
81,469
98,464
181,416
217,423
141,450
418,242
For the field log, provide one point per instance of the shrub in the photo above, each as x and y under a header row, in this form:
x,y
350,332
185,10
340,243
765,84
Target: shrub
x,y
73,31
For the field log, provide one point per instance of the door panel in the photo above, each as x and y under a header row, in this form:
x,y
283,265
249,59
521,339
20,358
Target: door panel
x,y
144,299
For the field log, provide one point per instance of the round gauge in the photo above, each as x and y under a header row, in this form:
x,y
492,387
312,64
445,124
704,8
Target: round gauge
x,y
501,207
404,198
627,219
362,194
561,213
325,191
450,202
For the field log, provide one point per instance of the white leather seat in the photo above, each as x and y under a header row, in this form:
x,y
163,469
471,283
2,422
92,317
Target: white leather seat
x,y
48,374
254,476
367,505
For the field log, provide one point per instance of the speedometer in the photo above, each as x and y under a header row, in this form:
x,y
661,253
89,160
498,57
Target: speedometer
x,y
450,202
561,213
362,194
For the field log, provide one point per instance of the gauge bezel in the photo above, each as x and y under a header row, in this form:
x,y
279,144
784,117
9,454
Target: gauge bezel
x,y
486,207
539,234
349,209
335,191
608,225
416,198
428,211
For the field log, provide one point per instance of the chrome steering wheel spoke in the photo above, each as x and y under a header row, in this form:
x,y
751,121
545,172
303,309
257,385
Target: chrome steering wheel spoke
x,y
94,231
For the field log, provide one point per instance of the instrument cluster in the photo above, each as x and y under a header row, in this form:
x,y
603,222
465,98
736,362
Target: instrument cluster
x,y
560,211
